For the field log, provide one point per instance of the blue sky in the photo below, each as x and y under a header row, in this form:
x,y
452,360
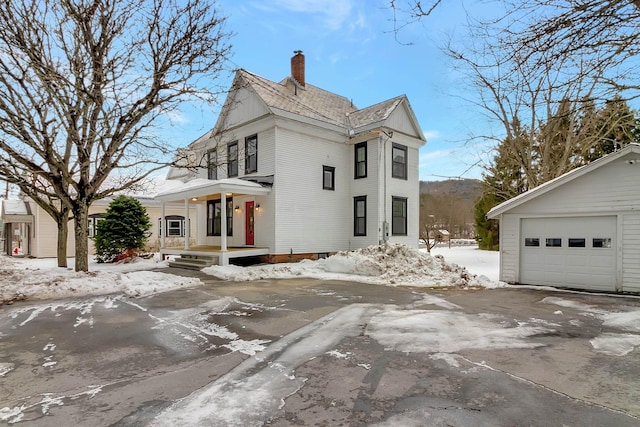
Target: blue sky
x,y
350,49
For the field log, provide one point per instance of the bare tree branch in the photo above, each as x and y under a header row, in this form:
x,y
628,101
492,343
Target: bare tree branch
x,y
83,85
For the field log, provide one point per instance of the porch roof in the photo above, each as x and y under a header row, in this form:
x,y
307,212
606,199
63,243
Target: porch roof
x,y
201,187
14,211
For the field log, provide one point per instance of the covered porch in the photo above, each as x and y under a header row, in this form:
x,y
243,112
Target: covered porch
x,y
18,221
214,220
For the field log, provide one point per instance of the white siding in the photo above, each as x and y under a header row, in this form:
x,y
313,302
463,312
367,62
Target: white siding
x,y
509,255
44,235
631,252
308,218
365,187
244,108
155,214
613,187
408,188
608,190
401,121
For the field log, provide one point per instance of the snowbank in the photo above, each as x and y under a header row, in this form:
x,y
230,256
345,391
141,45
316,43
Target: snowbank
x,y
23,279
388,264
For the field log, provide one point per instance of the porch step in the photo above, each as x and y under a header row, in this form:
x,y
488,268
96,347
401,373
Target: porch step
x,y
194,262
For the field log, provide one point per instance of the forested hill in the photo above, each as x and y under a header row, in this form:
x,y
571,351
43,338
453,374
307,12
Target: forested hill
x,y
463,189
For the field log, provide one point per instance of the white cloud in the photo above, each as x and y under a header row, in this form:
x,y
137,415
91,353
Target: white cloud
x,y
176,117
334,13
431,134
433,155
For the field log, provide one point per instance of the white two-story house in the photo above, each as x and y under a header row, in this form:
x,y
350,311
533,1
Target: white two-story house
x,y
293,171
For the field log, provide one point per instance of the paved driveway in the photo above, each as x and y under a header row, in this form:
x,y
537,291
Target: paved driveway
x,y
309,352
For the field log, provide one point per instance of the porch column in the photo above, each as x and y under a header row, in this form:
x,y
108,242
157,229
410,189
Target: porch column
x,y
186,224
223,222
163,225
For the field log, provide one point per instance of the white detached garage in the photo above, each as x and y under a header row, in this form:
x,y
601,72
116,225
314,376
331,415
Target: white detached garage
x,y
581,230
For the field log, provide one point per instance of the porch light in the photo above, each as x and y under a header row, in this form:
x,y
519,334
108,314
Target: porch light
x,y
237,208
194,199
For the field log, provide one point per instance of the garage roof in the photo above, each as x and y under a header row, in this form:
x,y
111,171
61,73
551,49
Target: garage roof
x,y
561,180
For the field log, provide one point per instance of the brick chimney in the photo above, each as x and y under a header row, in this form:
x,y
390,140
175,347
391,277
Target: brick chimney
x,y
297,67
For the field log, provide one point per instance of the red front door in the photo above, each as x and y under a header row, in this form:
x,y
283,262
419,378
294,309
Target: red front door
x,y
249,224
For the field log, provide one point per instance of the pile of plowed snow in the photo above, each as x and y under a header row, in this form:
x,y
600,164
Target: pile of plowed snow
x,y
25,279
387,264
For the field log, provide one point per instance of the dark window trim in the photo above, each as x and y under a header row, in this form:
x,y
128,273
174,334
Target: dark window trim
x,y
356,230
212,170
247,156
355,160
93,221
404,164
232,162
168,218
214,229
331,169
403,200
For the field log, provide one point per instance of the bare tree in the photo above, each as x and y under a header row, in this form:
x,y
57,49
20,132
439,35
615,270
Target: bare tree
x,y
543,107
408,12
84,85
597,31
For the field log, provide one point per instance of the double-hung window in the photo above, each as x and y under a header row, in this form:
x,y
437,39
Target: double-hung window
x,y
212,164
251,154
360,165
360,216
174,224
328,178
214,217
399,216
94,219
399,161
232,159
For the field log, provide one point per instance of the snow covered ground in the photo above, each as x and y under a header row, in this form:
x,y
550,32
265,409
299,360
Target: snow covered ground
x,y
269,375
392,265
481,263
28,279
389,264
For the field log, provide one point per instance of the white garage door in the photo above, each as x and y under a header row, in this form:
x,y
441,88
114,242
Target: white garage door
x,y
576,252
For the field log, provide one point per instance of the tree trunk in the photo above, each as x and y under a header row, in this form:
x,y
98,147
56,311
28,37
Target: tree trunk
x,y
81,228
63,235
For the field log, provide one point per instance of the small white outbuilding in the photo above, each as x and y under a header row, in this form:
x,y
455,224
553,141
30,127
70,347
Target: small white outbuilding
x,y
580,230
